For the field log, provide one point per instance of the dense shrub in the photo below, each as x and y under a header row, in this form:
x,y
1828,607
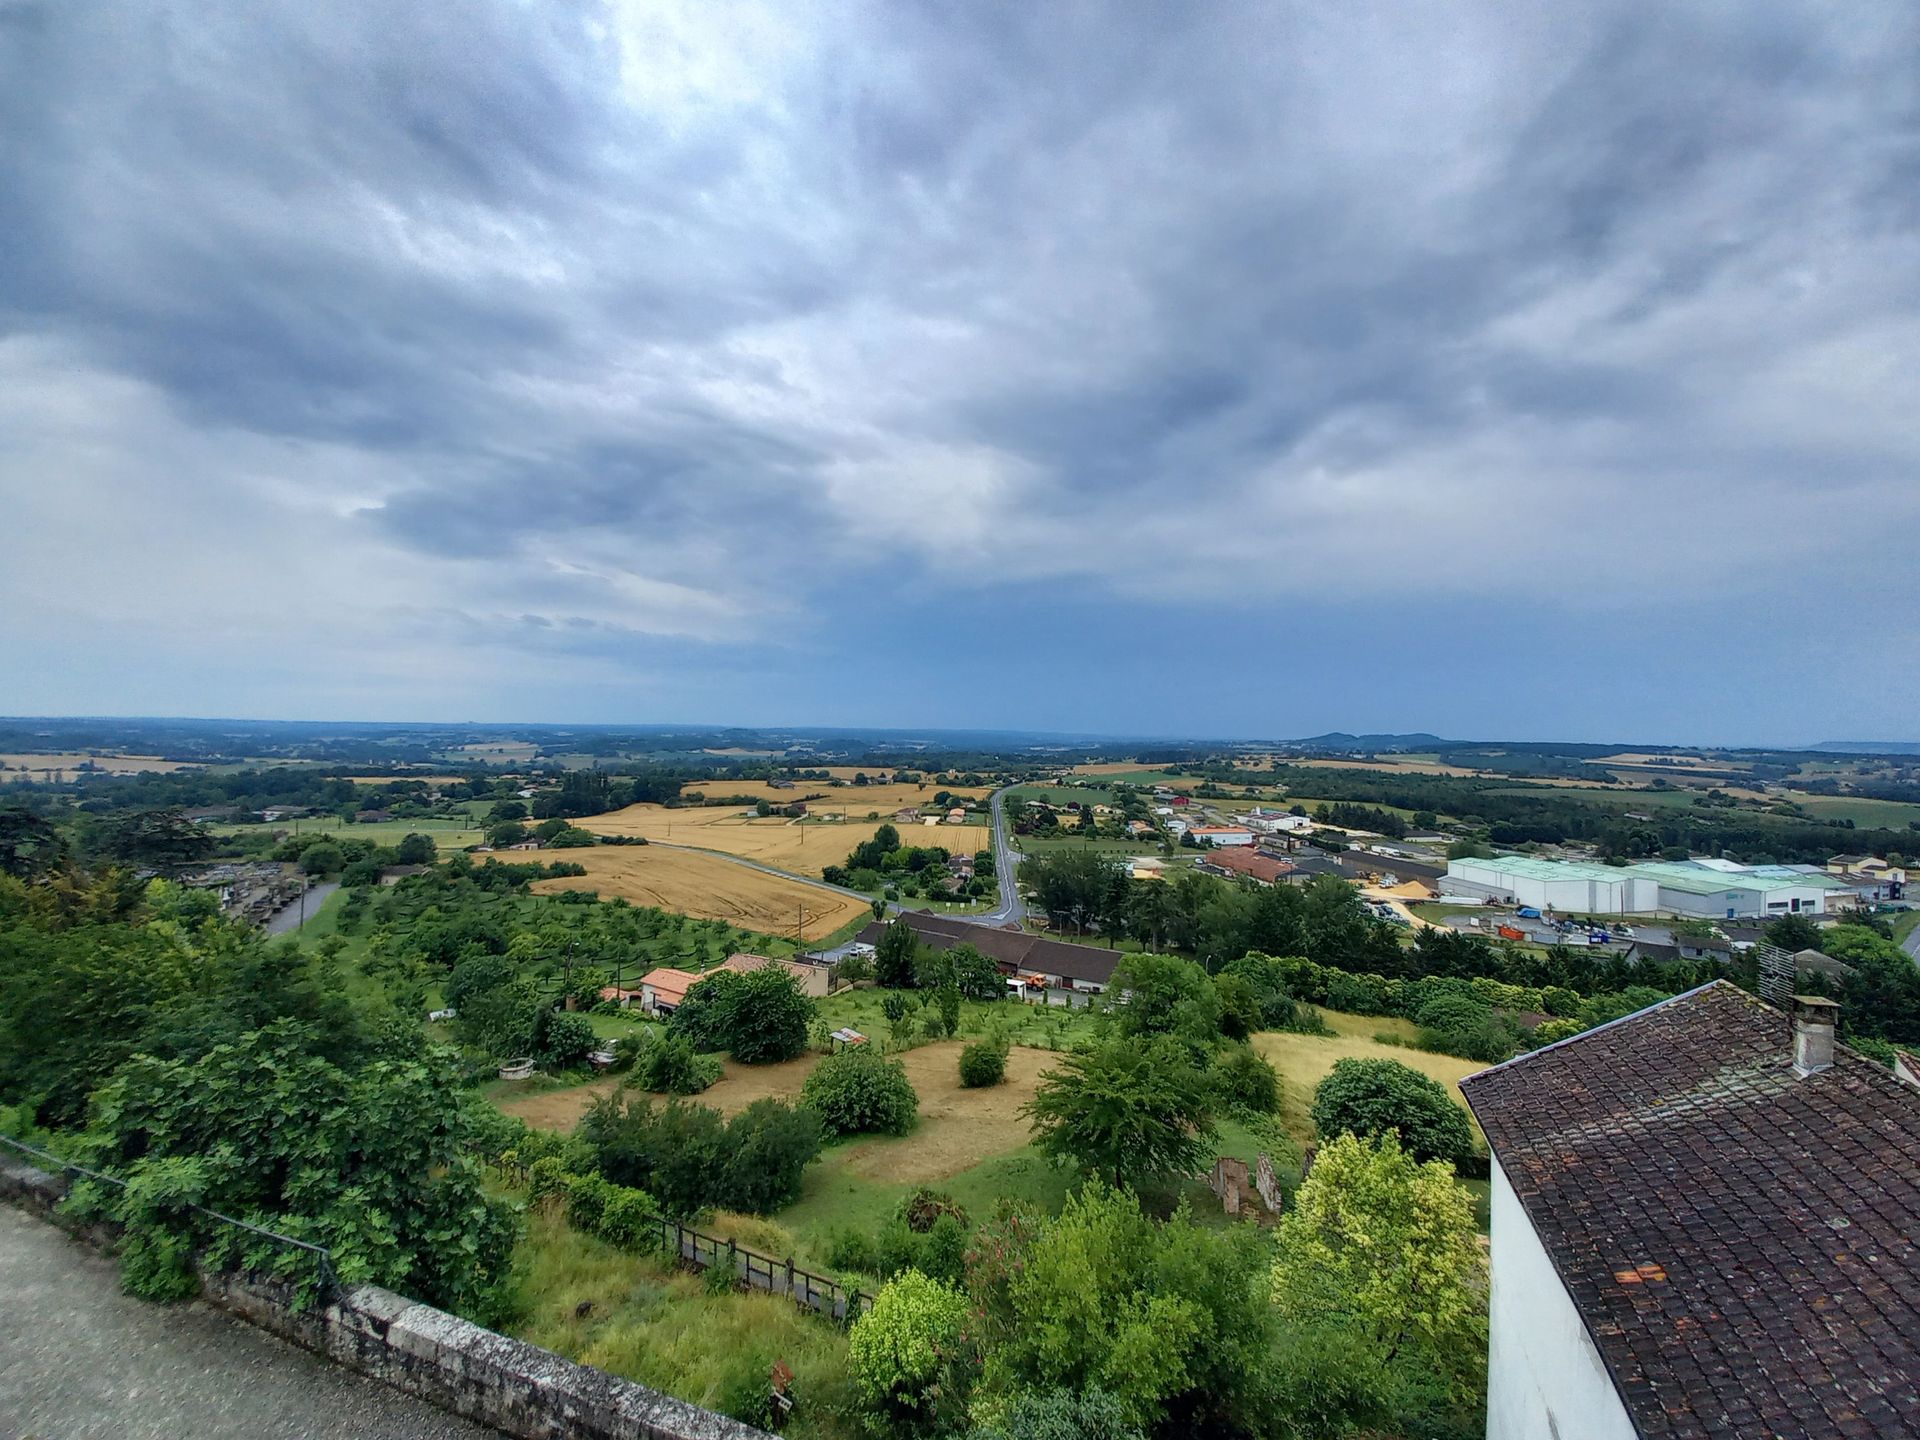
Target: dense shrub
x,y
1369,1097
983,1063
1246,1081
691,1159
562,1039
860,1092
770,1145
667,1065
907,1354
1060,1415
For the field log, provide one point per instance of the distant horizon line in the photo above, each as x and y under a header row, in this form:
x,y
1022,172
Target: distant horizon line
x,y
1865,747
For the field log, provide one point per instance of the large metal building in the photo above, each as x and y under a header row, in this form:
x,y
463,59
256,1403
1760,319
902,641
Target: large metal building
x,y
1699,889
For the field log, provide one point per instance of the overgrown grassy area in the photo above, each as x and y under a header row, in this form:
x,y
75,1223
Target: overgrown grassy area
x,y
635,1316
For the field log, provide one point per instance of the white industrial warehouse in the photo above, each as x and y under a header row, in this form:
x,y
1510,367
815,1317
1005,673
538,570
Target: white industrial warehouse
x,y
1704,889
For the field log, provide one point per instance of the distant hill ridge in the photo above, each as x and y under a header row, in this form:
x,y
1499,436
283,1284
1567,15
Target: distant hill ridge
x,y
1340,740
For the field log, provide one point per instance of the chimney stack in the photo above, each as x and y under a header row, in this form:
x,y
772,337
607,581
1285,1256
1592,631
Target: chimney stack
x,y
1814,1017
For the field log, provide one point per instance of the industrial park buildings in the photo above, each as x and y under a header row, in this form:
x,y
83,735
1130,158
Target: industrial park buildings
x,y
1702,889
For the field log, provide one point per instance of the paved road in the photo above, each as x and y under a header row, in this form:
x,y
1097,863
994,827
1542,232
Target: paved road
x,y
81,1361
1912,944
286,920
1012,910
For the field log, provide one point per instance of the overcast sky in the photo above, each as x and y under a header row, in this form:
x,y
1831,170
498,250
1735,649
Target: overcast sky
x,y
1498,370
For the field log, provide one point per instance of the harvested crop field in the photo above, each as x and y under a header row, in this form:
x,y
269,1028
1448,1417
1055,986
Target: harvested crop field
x,y
707,887
855,802
958,1128
804,847
107,764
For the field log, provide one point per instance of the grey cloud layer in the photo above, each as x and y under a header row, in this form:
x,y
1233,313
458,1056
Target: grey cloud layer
x,y
626,320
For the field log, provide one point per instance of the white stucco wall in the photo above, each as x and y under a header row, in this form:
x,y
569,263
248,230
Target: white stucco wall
x,y
1544,1378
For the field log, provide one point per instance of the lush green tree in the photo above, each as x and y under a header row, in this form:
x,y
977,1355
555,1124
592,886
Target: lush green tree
x,y
416,850
1382,1250
767,1017
1370,1097
1074,887
561,1038
1126,1109
1153,995
859,1091
893,961
505,833
910,1358
769,1146
1880,998
162,839
1173,1321
371,1163
705,1014
689,1158
977,977
29,843
1793,933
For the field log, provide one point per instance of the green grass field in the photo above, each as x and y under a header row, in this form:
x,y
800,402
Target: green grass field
x,y
1868,814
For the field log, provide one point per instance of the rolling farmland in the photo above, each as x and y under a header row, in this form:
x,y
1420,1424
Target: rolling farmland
x,y
804,847
708,888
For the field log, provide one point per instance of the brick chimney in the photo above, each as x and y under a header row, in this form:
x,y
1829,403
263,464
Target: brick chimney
x,y
1814,1017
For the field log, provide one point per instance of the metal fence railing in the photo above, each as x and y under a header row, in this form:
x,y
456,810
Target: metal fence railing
x,y
325,1281
754,1271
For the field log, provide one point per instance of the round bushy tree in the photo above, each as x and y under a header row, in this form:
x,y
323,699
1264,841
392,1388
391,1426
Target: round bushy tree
x,y
983,1063
861,1092
767,1017
1370,1097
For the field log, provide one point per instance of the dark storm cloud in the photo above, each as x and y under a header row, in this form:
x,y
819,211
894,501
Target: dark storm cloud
x,y
607,319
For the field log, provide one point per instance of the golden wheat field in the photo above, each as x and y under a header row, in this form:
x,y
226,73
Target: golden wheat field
x,y
708,888
806,848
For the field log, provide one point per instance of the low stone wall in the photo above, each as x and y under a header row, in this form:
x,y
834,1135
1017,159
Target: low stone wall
x,y
508,1384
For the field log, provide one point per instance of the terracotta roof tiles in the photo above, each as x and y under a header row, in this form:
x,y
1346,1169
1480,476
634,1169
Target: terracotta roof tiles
x,y
1739,1241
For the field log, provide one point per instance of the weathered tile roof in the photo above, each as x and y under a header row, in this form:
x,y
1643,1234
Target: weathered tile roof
x,y
1012,948
1740,1242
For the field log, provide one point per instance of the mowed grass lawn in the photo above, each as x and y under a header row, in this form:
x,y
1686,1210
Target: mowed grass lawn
x,y
708,887
805,847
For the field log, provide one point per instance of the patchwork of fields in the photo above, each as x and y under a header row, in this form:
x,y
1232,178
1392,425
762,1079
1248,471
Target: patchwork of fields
x,y
707,887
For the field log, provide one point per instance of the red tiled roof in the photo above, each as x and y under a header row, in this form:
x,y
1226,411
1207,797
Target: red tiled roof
x,y
669,984
1250,863
1740,1241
